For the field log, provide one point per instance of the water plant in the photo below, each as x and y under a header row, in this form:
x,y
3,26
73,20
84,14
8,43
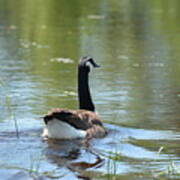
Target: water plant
x,y
12,115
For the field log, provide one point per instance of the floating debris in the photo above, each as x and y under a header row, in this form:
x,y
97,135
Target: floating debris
x,y
28,44
96,16
12,27
156,64
123,57
43,27
136,65
63,60
24,43
34,44
70,93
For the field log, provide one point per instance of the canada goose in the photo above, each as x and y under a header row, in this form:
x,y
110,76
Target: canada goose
x,y
82,123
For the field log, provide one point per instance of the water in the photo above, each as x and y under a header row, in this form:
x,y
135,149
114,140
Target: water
x,y
136,91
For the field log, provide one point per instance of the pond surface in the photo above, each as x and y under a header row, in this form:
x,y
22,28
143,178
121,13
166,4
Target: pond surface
x,y
136,91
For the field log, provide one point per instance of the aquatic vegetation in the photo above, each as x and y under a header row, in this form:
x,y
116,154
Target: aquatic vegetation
x,y
11,113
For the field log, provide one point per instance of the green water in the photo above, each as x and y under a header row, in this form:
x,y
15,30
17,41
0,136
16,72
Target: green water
x,y
136,91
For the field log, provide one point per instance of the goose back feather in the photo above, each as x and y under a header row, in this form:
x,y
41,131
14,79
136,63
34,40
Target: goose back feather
x,y
79,119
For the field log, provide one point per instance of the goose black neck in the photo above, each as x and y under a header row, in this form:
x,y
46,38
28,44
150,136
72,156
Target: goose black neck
x,y
85,100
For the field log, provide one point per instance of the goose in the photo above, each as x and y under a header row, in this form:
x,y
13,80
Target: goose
x,y
82,123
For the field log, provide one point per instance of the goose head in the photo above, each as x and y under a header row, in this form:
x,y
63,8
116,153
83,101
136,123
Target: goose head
x,y
86,63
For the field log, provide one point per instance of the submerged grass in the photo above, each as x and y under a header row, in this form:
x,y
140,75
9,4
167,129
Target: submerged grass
x,y
112,168
34,171
12,114
16,126
172,170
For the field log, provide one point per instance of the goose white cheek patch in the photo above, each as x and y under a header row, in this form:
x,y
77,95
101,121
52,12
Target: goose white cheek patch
x,y
90,65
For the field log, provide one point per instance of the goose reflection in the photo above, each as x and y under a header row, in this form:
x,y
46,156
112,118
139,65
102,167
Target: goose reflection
x,y
73,155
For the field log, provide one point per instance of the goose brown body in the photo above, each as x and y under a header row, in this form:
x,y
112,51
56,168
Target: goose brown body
x,y
79,119
82,123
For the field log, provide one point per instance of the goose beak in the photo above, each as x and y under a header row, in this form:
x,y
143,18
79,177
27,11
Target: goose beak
x,y
97,66
94,64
